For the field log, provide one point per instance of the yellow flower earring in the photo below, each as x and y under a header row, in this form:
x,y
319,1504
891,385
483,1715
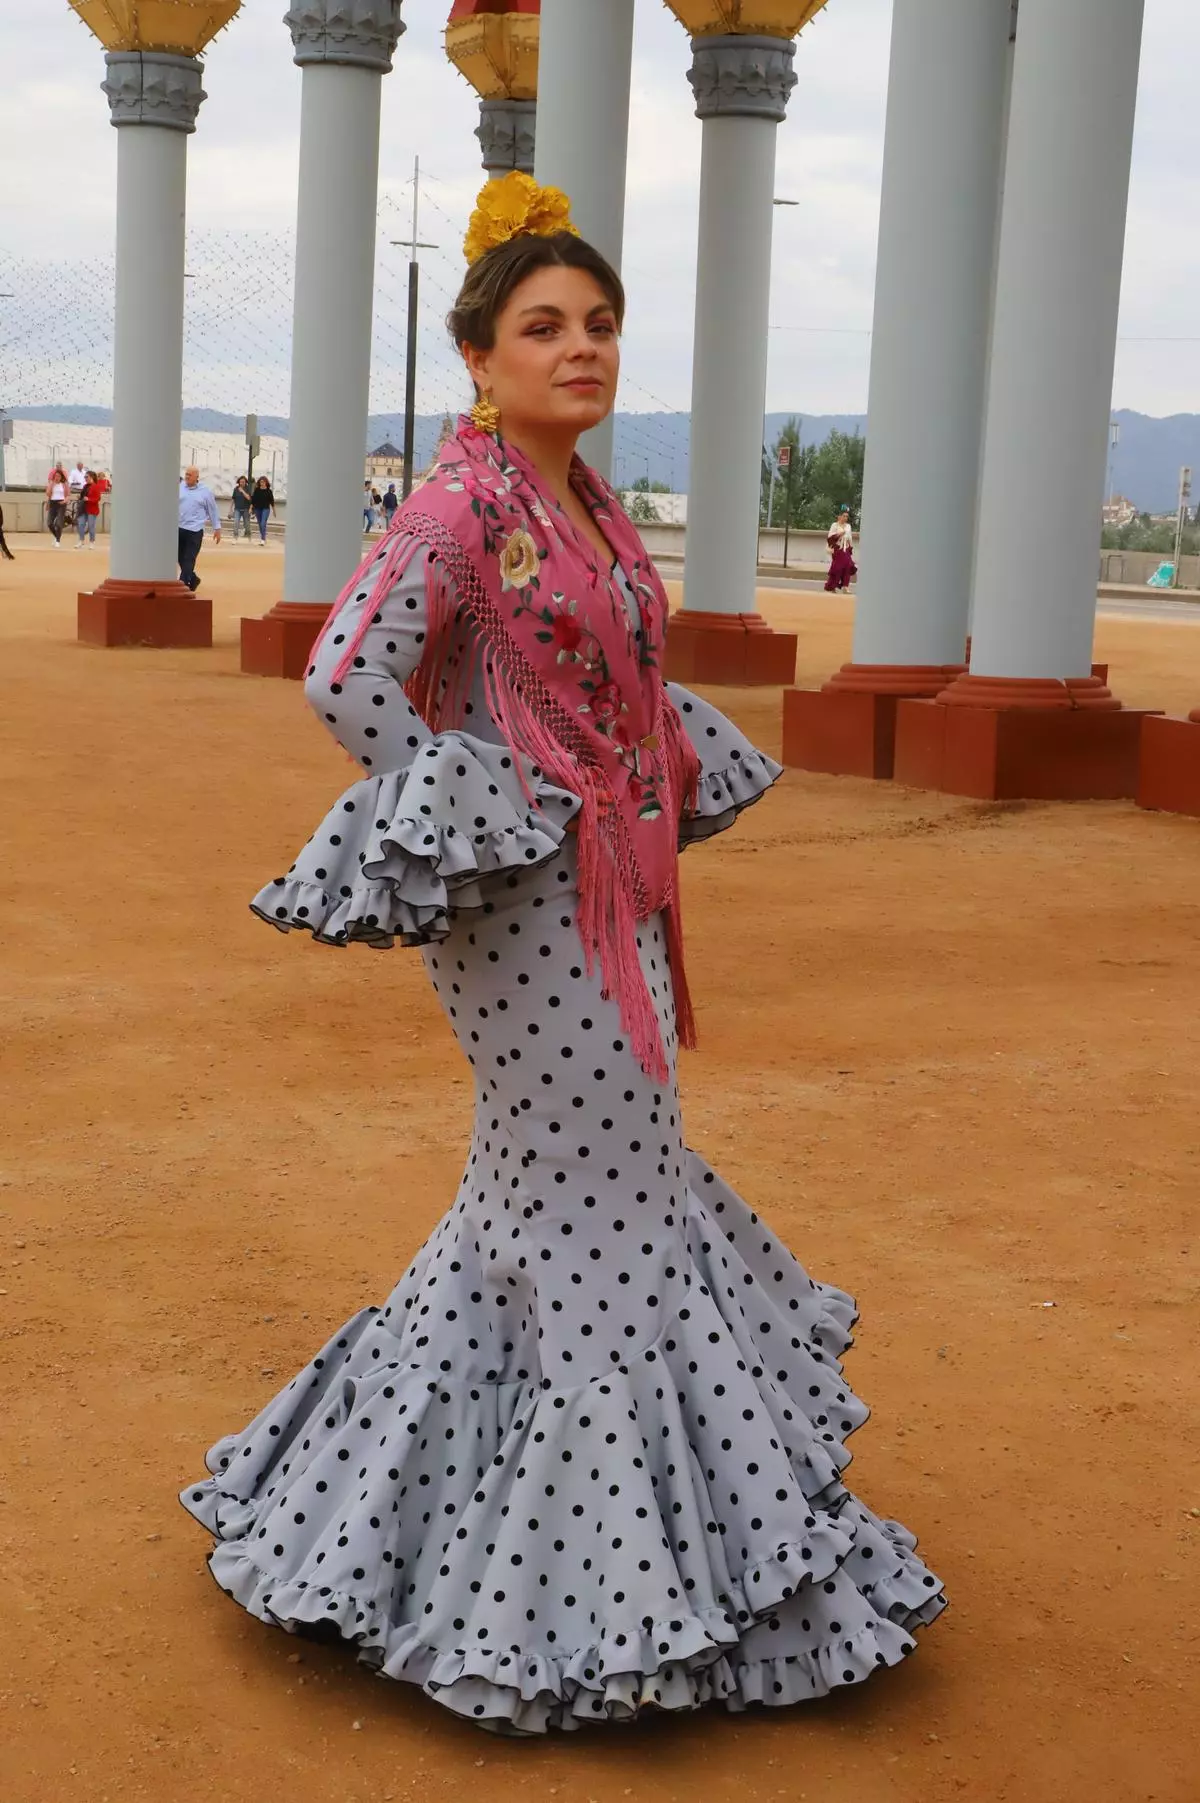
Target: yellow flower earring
x,y
485,414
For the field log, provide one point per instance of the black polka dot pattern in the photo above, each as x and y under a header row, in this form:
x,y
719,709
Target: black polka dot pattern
x,y
588,1457
399,854
733,773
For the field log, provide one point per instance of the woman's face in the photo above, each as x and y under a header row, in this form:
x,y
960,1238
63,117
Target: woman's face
x,y
557,354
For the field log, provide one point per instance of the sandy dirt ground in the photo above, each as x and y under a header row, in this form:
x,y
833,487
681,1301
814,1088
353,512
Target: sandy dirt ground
x,y
949,1049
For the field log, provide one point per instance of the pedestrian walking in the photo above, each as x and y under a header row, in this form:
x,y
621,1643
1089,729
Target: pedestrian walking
x,y
391,500
197,505
58,493
263,502
842,567
368,508
87,509
76,483
241,507
4,550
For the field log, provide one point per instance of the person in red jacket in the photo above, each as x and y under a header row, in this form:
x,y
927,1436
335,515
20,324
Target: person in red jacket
x,y
88,509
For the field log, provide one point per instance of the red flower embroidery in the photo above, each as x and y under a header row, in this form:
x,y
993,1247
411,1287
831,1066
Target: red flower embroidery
x,y
568,634
606,701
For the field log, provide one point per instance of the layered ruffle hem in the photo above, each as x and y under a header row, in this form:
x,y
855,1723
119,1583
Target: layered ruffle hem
x,y
441,1526
398,855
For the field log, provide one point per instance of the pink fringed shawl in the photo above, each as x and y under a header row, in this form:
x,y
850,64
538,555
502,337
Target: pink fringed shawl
x,y
568,680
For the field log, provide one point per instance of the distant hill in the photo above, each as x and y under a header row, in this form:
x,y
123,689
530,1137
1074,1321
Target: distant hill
x,y
1145,466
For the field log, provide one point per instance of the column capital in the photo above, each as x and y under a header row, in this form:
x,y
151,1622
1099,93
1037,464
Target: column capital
x,y
153,87
743,76
507,134
362,33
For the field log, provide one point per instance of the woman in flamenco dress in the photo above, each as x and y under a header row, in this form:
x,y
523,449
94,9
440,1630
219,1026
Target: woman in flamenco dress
x,y
842,567
586,1459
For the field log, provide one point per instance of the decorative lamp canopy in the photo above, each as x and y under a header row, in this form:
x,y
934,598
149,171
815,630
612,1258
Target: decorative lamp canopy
x,y
178,27
759,18
494,43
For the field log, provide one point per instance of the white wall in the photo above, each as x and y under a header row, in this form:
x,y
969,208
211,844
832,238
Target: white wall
x,y
221,456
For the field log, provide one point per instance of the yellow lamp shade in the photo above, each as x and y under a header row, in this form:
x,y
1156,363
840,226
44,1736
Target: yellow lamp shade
x,y
496,51
767,18
182,27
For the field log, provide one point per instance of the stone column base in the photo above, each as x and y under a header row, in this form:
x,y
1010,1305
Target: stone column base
x,y
1015,739
739,650
848,726
279,643
165,615
1169,778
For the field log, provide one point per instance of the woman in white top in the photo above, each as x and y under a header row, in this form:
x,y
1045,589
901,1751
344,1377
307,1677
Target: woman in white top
x,y
840,539
57,495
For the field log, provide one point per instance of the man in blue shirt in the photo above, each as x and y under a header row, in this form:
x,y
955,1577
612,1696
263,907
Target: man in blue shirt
x,y
196,505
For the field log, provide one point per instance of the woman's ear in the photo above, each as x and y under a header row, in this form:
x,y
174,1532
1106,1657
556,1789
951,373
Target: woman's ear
x,y
477,365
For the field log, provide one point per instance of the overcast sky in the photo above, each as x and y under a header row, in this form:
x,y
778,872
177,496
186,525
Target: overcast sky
x,y
57,197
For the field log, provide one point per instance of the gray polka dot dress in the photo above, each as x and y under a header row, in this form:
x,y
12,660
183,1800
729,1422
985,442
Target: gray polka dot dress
x,y
586,1459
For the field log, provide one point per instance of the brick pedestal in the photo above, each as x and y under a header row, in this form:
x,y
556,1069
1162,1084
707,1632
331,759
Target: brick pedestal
x,y
740,650
1009,739
165,615
1169,776
848,727
279,643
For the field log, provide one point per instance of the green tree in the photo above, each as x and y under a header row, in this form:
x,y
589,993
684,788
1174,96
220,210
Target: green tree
x,y
641,508
837,480
1145,534
823,479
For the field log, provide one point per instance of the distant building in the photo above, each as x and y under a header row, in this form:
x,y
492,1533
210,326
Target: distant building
x,y
386,461
1118,512
449,428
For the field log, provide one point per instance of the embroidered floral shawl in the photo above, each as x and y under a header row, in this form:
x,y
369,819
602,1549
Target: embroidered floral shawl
x,y
569,681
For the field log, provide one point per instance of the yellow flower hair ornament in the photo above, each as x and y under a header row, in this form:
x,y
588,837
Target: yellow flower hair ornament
x,y
513,206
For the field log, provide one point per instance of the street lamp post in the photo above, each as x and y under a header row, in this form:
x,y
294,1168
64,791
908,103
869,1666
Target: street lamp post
x,y
410,364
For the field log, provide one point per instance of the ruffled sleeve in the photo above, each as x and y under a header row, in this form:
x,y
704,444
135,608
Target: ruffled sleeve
x,y
438,819
733,773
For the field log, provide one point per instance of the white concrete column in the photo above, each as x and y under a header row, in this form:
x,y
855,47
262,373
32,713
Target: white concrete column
x,y
154,99
584,65
1058,290
939,211
742,86
344,54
